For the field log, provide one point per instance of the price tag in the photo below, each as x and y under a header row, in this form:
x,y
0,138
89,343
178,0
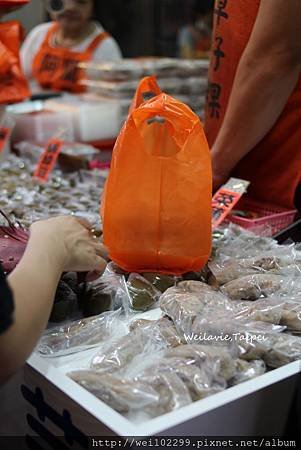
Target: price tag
x,y
226,198
48,159
5,133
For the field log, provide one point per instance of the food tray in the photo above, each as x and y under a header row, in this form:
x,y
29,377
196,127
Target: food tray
x,y
255,401
272,218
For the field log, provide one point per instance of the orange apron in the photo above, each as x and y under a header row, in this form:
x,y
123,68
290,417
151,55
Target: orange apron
x,y
274,166
13,85
57,68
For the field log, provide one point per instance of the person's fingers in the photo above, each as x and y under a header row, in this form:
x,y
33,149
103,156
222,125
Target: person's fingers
x,y
101,251
85,223
93,275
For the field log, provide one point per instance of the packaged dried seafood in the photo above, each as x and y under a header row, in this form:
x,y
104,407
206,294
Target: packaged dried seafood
x,y
163,327
221,357
284,348
253,287
173,393
201,381
291,315
140,323
247,370
120,394
276,310
80,334
235,242
120,353
184,302
146,339
264,310
143,294
198,380
160,281
282,260
64,304
96,297
253,338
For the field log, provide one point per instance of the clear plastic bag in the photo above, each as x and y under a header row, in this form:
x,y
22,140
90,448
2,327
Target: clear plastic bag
x,y
276,310
163,327
144,340
221,358
253,287
64,304
80,335
143,294
160,281
233,241
173,393
283,349
184,302
252,338
291,315
120,394
247,370
201,380
264,310
280,261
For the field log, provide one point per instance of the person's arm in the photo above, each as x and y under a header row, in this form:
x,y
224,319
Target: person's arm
x,y
55,245
267,74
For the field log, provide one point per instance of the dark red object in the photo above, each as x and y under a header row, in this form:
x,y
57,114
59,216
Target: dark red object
x,y
13,241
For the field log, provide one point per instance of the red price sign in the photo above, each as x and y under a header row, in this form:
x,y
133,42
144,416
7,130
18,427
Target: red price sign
x,y
48,159
222,203
4,136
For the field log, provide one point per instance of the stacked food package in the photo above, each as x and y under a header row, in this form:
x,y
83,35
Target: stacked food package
x,y
184,79
235,320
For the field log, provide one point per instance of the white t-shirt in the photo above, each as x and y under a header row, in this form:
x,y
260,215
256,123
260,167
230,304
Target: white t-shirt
x,y
108,50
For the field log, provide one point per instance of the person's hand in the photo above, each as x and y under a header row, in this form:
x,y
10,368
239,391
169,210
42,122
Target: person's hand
x,y
220,173
70,241
218,179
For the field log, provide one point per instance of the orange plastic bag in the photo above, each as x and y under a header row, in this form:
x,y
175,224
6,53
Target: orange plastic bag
x,y
148,88
13,85
157,203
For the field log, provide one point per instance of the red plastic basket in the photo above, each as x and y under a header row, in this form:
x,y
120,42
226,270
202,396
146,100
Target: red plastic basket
x,y
272,218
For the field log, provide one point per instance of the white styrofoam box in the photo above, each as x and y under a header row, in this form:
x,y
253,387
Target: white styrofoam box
x,y
256,407
99,121
95,118
43,125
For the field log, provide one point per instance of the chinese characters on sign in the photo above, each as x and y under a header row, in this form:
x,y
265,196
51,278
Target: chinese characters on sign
x,y
218,55
48,160
49,63
52,63
214,92
220,10
222,203
70,70
218,52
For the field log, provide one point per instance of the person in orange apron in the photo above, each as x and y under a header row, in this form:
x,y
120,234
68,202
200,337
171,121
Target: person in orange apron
x,y
253,111
13,85
52,51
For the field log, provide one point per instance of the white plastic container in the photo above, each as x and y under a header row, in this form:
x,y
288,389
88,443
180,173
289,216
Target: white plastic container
x,y
94,118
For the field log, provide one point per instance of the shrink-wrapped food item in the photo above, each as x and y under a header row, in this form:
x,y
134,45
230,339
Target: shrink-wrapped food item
x,y
121,394
79,335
